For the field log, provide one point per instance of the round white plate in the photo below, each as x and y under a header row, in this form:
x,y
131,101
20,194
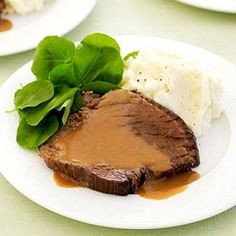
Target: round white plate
x,y
214,5
213,193
58,17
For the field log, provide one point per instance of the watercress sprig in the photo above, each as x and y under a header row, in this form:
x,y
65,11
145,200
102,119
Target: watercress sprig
x,y
63,72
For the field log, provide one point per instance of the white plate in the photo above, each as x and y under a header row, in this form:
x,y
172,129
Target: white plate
x,y
213,193
56,18
214,5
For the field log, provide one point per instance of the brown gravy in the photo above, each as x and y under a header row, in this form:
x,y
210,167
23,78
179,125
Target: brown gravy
x,y
105,137
167,187
5,25
63,182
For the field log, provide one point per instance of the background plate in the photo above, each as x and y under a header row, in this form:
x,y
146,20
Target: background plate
x,y
56,18
213,193
214,5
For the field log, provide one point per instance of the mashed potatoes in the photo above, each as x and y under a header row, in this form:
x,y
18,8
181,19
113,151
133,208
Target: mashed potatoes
x,y
23,7
178,84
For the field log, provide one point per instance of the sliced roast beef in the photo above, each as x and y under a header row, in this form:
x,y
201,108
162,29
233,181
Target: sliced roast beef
x,y
119,140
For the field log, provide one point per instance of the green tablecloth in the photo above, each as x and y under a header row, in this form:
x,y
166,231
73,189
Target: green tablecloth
x,y
213,31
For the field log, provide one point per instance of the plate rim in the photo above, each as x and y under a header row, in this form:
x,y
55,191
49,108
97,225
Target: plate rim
x,y
202,6
131,226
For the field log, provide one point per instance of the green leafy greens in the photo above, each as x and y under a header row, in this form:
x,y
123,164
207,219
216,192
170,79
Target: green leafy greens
x,y
43,91
32,136
63,72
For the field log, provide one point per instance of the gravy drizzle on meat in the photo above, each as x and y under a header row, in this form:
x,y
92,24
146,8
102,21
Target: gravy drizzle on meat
x,y
118,141
105,138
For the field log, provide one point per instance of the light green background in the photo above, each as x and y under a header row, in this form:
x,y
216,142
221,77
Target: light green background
x,y
213,31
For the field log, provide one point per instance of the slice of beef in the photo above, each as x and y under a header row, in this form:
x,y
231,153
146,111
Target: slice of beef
x,y
154,124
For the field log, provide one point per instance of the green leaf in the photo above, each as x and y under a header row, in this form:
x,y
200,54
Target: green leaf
x,y
35,114
99,40
51,52
77,102
102,64
113,70
98,63
64,73
33,136
66,106
131,54
100,87
33,94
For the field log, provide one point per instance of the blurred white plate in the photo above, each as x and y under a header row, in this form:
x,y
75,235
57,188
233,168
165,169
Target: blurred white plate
x,y
213,193
214,5
56,18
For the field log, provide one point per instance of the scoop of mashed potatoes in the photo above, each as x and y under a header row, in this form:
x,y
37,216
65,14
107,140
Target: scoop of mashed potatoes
x,y
23,7
176,83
